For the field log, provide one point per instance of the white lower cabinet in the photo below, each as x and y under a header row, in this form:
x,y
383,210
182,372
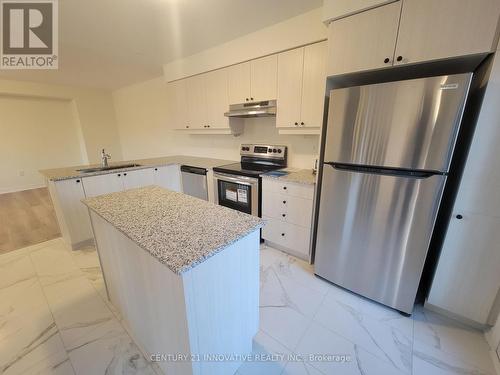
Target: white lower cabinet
x,y
102,184
114,182
467,278
138,178
72,214
168,177
288,208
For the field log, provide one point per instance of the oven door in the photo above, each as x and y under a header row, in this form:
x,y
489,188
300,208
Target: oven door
x,y
237,192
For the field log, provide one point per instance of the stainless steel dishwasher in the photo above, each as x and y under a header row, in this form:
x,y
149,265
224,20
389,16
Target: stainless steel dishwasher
x,y
194,181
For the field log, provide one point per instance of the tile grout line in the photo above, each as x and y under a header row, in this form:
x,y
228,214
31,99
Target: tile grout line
x,y
50,308
354,343
309,326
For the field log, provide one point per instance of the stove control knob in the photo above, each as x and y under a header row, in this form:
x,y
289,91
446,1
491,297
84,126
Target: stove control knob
x,y
274,150
279,150
270,150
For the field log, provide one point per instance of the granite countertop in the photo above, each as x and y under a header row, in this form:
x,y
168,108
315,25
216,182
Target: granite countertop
x,y
301,176
57,174
179,230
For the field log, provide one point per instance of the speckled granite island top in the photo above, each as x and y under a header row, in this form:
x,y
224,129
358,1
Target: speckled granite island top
x,y
177,229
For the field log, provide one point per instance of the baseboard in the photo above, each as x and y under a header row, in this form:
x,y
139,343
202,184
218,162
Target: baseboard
x,y
286,250
22,188
460,319
83,244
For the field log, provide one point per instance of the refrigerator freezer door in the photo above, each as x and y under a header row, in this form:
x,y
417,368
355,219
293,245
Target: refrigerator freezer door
x,y
409,124
374,231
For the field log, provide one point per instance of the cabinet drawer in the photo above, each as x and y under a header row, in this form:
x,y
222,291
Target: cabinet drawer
x,y
298,239
288,188
287,208
289,236
298,211
273,231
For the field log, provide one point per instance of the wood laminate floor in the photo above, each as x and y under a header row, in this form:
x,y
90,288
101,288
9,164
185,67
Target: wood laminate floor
x,y
26,218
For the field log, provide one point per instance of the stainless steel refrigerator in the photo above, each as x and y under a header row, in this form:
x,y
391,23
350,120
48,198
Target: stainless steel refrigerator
x,y
387,153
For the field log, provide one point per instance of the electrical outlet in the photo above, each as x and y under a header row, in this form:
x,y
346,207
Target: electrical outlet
x,y
21,173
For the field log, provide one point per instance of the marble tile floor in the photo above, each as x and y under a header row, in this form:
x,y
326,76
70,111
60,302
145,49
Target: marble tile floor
x,y
55,319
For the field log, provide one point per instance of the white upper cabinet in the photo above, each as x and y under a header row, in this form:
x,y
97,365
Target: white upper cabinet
x,y
207,100
411,31
239,83
177,104
314,84
432,30
253,80
364,41
301,86
295,78
263,78
217,100
289,101
196,102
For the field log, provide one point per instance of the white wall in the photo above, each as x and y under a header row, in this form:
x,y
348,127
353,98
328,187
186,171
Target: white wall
x,y
48,126
35,134
145,130
141,114
294,32
94,112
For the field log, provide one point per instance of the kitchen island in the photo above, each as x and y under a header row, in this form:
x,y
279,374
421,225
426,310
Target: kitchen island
x,y
184,274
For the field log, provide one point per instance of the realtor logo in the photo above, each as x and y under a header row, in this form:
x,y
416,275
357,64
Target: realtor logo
x,y
29,34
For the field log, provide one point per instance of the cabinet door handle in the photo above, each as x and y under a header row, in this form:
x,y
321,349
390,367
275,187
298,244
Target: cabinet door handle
x,y
283,234
302,124
283,215
251,98
284,202
399,58
119,174
77,181
124,174
187,126
386,60
156,169
459,217
284,187
246,99
296,123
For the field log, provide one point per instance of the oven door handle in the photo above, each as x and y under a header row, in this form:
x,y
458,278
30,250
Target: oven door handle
x,y
242,180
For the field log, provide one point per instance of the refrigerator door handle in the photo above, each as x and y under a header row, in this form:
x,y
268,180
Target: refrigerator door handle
x,y
386,171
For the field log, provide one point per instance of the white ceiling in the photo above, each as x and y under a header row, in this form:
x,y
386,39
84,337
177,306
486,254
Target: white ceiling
x,y
113,43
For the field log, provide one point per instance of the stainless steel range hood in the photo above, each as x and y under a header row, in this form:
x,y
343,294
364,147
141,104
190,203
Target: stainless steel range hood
x,y
265,108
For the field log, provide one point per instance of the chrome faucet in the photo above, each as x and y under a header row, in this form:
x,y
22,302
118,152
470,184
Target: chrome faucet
x,y
104,158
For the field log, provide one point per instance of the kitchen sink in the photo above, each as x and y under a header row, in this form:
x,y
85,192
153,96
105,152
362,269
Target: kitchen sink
x,y
108,168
